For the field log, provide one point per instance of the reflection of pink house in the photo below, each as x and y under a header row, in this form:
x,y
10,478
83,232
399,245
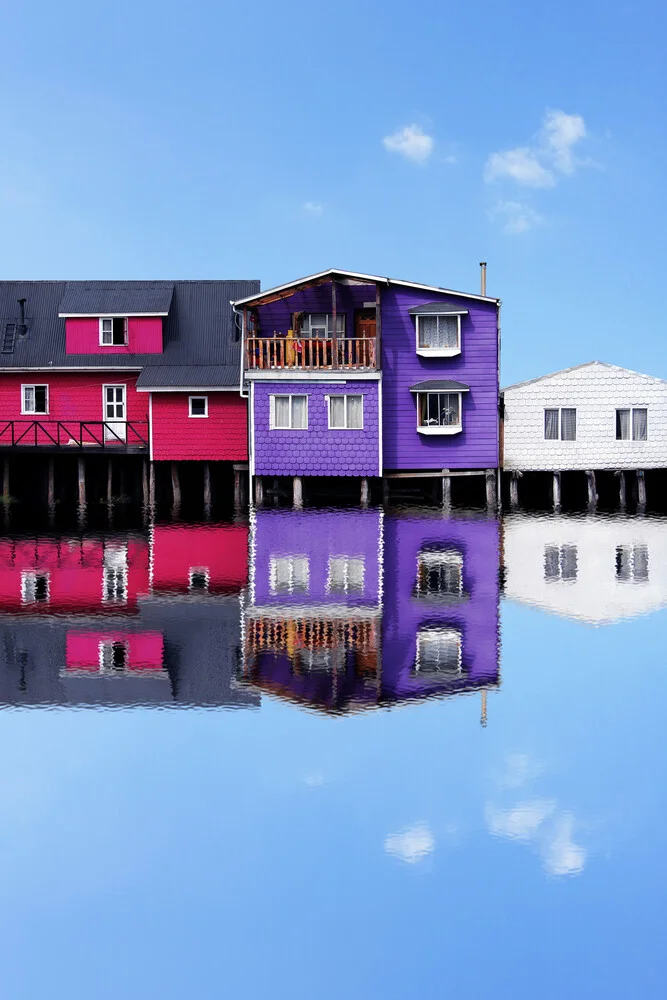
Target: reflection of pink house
x,y
196,558
114,652
77,575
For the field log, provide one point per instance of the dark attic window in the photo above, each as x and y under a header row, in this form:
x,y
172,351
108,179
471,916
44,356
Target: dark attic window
x,y
113,332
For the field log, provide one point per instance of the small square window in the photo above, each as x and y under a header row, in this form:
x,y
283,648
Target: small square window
x,y
198,579
35,399
34,588
198,406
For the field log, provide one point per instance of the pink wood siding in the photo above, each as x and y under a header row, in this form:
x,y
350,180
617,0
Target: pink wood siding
x,y
72,395
222,551
144,335
222,436
145,650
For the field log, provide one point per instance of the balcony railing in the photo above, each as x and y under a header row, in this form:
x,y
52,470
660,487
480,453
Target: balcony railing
x,y
309,353
125,435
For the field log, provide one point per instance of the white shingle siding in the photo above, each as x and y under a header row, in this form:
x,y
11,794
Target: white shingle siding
x,y
596,391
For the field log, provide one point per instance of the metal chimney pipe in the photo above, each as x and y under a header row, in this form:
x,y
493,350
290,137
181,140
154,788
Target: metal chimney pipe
x,y
482,265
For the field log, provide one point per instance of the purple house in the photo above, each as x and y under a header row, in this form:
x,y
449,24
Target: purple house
x,y
352,374
352,609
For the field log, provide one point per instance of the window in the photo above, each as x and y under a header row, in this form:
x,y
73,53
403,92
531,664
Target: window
x,y
198,406
346,575
560,562
632,563
439,412
34,399
439,573
289,413
289,574
346,412
632,423
114,576
321,325
198,578
113,332
113,656
438,335
438,651
560,424
34,587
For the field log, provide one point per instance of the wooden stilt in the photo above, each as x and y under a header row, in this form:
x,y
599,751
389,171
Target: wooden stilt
x,y
446,493
297,492
151,484
51,484
110,482
82,481
641,489
238,488
592,492
622,490
145,493
490,476
556,490
365,492
259,491
514,490
385,492
175,486
121,481
207,487
5,480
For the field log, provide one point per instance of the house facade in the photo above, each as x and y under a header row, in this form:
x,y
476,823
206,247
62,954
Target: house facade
x,y
122,368
357,375
595,416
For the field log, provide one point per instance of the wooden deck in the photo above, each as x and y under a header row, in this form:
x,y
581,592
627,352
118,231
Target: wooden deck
x,y
310,353
127,437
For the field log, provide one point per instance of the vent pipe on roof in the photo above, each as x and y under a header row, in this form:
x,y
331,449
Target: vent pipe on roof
x,y
482,266
22,327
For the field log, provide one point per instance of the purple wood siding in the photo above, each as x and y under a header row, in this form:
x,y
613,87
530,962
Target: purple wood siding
x,y
475,615
316,451
477,366
276,317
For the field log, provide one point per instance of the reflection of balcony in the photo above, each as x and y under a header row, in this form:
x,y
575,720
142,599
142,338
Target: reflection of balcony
x,y
267,353
48,435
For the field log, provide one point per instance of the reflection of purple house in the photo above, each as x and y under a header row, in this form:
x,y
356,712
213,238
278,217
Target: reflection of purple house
x,y
357,375
441,593
312,620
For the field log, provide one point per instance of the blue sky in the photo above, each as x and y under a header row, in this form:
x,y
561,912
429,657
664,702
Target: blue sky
x,y
263,140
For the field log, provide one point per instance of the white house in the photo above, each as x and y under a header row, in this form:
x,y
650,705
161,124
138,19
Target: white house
x,y
591,569
592,417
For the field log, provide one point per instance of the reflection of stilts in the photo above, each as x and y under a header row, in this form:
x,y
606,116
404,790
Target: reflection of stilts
x,y
483,718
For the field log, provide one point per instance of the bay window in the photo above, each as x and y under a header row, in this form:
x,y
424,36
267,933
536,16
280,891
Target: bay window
x,y
438,329
439,651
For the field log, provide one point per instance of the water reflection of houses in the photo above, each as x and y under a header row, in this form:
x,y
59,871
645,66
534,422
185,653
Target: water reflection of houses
x,y
119,619
351,609
594,569
441,592
312,618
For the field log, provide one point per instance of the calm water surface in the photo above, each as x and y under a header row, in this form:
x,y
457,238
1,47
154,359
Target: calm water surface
x,y
334,753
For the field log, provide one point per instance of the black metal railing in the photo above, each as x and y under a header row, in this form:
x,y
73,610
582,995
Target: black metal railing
x,y
123,435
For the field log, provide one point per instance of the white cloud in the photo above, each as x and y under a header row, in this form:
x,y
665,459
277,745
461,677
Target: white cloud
x,y
540,163
410,845
517,217
313,207
518,770
315,779
561,856
522,822
539,823
411,142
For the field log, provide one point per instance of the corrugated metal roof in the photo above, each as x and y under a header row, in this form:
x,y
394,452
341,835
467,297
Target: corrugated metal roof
x,y
188,376
439,385
440,308
128,298
199,330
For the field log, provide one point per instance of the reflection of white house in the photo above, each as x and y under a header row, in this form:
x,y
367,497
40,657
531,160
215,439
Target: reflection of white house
x,y
594,416
592,569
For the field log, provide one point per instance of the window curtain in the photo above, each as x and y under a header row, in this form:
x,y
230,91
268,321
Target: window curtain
x,y
639,425
337,404
428,331
551,425
299,412
622,425
355,411
281,411
568,425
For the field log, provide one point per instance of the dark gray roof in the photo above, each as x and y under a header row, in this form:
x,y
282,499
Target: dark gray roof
x,y
188,376
199,330
128,298
441,307
439,385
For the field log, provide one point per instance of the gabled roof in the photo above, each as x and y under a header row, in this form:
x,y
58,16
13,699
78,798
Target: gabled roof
x,y
200,328
104,298
371,279
587,364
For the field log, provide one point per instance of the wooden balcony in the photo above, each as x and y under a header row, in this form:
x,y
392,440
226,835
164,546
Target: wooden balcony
x,y
310,353
127,437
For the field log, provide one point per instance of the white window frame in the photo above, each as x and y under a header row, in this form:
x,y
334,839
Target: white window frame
x,y
438,558
424,633
560,423
199,571
33,386
198,416
103,342
345,396
115,575
631,411
28,586
438,352
440,429
108,645
346,587
306,324
290,396
562,550
290,559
